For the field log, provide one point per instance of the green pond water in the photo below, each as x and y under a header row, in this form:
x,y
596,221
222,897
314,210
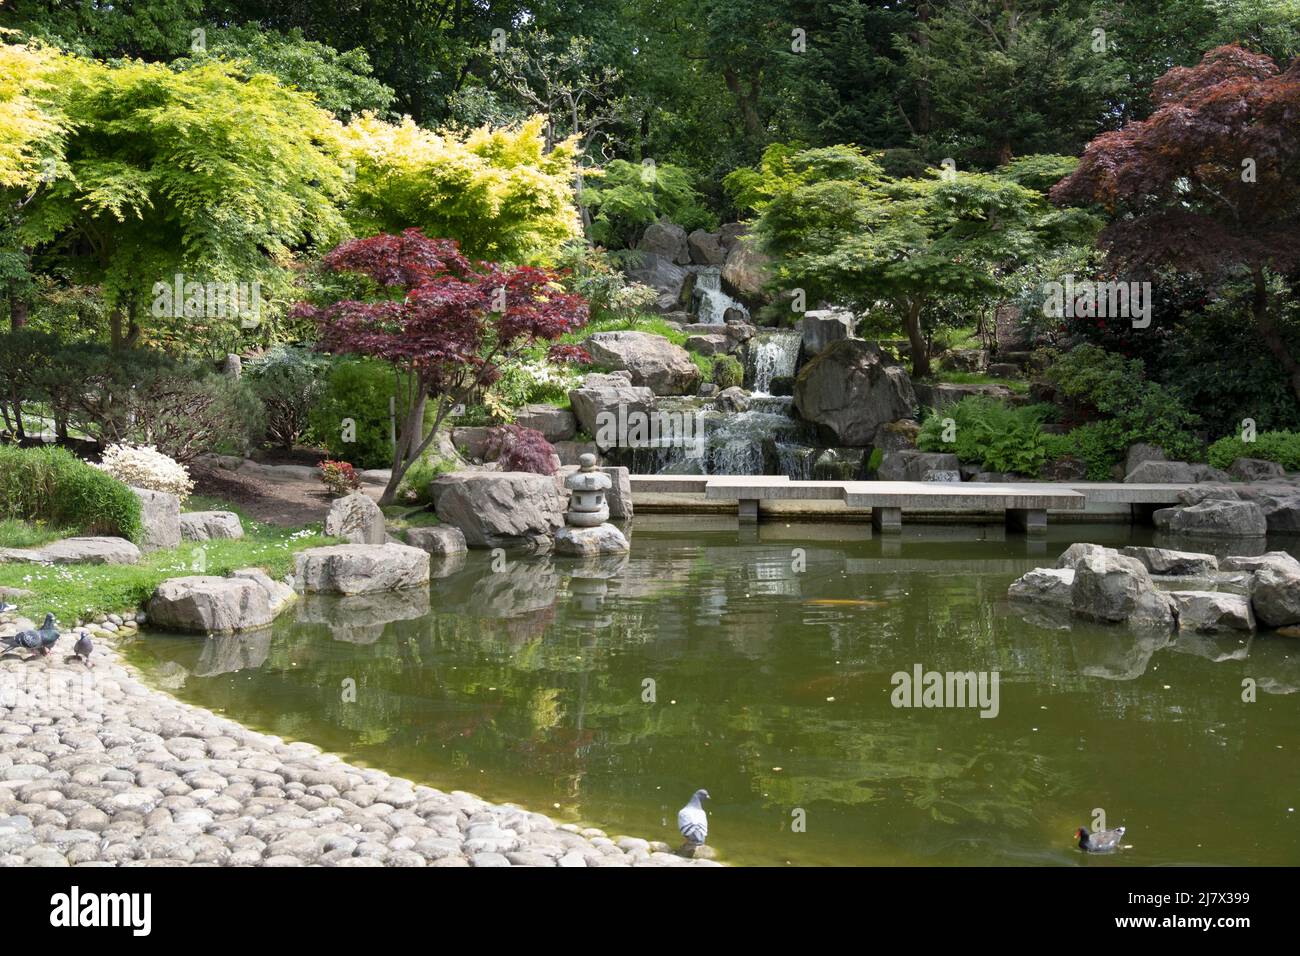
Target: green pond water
x,y
771,652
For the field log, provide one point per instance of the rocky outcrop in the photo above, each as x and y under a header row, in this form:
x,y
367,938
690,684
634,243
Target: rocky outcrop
x,y
1152,472
502,509
205,604
651,360
278,594
943,394
672,282
360,568
555,424
440,540
1052,586
1280,505
666,240
1212,611
76,551
604,401
1165,561
848,392
1255,469
1278,560
160,516
1141,452
1214,518
210,525
746,271
918,466
822,327
706,248
356,519
1075,553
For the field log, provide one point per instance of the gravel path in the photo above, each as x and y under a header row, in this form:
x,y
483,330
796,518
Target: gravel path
x,y
97,769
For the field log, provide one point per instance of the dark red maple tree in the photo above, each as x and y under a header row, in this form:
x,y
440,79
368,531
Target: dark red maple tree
x,y
1209,184
446,324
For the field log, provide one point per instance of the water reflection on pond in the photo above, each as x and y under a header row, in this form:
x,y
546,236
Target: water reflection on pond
x,y
770,653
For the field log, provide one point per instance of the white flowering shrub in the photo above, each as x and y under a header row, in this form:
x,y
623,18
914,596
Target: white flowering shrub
x,y
143,466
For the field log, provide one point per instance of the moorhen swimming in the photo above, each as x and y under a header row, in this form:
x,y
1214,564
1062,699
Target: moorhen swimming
x,y
1103,841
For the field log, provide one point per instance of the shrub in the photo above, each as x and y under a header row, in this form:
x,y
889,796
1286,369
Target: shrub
x,y
989,433
415,487
288,382
145,467
1282,447
144,397
339,477
516,448
1117,388
351,417
54,486
727,371
627,197
541,381
1099,445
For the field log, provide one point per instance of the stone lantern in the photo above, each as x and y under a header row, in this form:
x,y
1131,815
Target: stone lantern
x,y
587,529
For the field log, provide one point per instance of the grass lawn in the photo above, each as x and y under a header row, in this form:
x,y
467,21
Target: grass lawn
x,y
74,591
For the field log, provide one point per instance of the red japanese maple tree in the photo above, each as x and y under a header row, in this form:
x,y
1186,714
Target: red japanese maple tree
x,y
1209,184
448,325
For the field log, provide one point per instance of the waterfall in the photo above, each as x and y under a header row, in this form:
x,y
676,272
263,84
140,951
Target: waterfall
x,y
711,303
771,355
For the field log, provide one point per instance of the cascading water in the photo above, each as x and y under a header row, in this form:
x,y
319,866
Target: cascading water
x,y
771,355
711,303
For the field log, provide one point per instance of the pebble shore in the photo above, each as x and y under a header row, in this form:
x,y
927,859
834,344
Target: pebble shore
x,y
98,769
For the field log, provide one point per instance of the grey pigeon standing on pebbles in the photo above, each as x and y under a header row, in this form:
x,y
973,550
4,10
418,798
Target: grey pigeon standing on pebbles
x,y
692,821
83,648
41,639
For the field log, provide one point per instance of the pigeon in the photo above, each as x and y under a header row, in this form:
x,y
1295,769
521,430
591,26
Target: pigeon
x,y
41,639
6,607
1103,841
83,648
692,821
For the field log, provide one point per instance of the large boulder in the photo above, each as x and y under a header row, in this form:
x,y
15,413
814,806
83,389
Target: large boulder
x,y
206,604
555,424
672,282
586,542
1109,586
1044,586
652,360
1276,596
746,271
360,568
619,495
210,525
848,392
1141,451
667,240
160,515
356,519
706,248
1075,553
1281,507
1214,518
1210,611
1165,561
1278,560
918,466
278,594
822,327
440,540
1152,472
76,551
1255,469
502,509
604,401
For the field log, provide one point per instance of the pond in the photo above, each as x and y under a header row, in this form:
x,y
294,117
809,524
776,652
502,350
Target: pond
x,y
759,664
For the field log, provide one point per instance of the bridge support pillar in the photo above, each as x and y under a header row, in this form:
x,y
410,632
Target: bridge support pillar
x,y
747,509
887,520
1028,520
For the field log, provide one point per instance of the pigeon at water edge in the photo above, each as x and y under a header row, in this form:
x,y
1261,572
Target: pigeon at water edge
x,y
692,821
